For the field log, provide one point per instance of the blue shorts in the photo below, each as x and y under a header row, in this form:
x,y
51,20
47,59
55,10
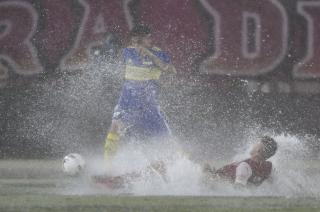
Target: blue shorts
x,y
139,110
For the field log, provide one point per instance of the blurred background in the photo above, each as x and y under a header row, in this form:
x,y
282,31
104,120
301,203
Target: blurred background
x,y
245,67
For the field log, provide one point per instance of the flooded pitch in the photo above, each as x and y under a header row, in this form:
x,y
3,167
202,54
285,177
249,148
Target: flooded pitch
x,y
36,185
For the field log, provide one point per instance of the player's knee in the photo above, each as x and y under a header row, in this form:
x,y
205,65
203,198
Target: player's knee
x,y
115,126
110,145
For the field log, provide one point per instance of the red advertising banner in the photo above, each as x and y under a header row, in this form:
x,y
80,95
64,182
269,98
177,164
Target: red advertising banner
x,y
254,40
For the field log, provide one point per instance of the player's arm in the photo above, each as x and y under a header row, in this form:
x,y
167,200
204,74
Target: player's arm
x,y
243,173
208,173
166,67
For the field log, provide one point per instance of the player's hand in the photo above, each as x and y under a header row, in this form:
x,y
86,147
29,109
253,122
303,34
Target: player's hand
x,y
208,169
145,52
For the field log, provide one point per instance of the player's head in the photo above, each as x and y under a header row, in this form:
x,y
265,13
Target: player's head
x,y
270,146
265,148
141,33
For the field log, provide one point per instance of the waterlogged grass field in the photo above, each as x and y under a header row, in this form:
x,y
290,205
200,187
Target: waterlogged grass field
x,y
40,186
39,202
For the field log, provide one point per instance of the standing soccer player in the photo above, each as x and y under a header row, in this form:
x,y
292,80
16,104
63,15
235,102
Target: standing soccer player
x,y
137,113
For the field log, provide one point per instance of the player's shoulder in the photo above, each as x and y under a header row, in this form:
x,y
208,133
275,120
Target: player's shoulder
x,y
252,162
163,55
129,49
248,161
265,166
244,165
156,49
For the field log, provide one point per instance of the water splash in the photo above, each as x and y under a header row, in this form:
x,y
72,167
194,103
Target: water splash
x,y
295,174
86,100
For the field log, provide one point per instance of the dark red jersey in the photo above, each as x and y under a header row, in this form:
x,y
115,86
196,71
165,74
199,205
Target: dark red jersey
x,y
260,171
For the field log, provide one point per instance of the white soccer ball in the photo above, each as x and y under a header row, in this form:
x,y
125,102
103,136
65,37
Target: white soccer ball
x,y
73,164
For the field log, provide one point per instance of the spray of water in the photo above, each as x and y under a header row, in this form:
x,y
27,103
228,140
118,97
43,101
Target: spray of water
x,y
294,176
87,99
71,113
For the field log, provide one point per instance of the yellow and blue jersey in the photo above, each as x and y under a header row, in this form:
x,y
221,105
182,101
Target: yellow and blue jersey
x,y
142,68
138,106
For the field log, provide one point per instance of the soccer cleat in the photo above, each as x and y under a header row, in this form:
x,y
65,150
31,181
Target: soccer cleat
x,y
109,182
